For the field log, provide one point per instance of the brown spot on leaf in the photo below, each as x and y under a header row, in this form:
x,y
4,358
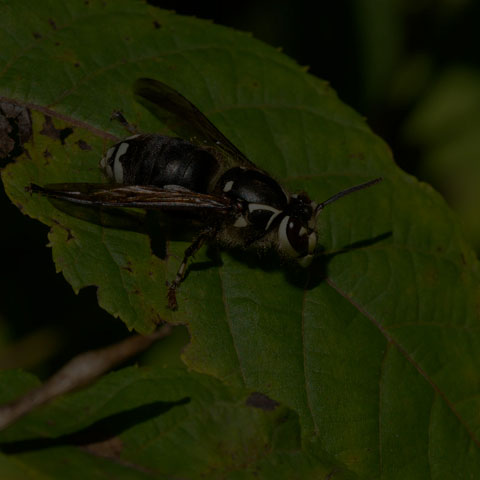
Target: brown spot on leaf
x,y
83,145
47,156
52,23
69,232
260,400
36,35
49,130
156,318
6,143
109,448
76,65
331,474
357,156
128,267
156,25
112,448
15,130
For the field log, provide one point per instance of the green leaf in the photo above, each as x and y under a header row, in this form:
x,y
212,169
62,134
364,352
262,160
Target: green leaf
x,y
161,423
376,347
444,128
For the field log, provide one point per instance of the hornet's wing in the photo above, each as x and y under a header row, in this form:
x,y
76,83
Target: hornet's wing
x,y
187,121
174,199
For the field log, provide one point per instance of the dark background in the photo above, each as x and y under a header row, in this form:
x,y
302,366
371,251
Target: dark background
x,y
410,67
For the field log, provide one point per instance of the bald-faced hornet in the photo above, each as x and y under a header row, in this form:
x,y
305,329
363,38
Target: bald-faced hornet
x,y
202,173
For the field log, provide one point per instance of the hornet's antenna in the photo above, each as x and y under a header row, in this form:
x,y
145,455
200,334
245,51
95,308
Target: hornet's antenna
x,y
341,194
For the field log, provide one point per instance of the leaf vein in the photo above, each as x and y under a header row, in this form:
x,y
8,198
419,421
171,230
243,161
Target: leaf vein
x,y
407,357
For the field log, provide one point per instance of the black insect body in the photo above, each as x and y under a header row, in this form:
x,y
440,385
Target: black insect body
x,y
204,174
159,160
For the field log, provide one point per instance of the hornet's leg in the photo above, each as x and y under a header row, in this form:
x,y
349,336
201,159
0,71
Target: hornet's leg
x,y
118,116
199,241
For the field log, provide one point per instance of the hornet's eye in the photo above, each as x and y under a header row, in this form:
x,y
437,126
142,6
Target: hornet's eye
x,y
295,240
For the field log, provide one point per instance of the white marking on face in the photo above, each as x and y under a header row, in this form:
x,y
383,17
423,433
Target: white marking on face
x,y
133,136
228,186
285,245
302,231
305,261
240,222
109,171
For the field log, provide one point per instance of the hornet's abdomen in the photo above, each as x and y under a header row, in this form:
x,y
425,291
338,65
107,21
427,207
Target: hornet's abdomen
x,y
153,159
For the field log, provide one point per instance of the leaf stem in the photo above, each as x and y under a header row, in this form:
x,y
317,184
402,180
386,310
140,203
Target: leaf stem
x,y
79,372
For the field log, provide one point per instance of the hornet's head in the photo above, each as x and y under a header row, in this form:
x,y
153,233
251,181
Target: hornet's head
x,y
297,237
297,234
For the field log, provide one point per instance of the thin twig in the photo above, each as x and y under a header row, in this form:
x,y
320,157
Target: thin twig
x,y
79,372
